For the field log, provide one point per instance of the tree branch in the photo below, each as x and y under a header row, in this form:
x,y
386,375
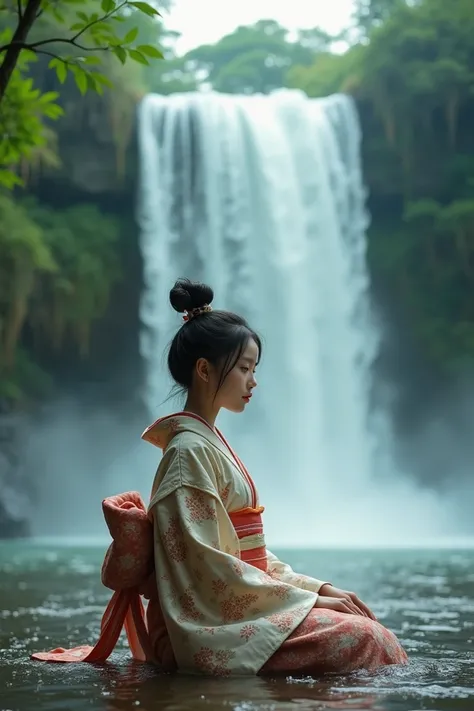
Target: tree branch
x,y
20,9
33,46
100,19
25,23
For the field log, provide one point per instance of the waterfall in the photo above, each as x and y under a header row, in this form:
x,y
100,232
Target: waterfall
x,y
263,198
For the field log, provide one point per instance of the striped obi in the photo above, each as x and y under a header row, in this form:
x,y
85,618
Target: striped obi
x,y
249,529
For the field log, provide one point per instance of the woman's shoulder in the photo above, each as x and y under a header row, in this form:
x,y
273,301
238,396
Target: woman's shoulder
x,y
186,444
189,460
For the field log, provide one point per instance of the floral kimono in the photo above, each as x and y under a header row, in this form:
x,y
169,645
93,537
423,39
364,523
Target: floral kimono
x,y
230,606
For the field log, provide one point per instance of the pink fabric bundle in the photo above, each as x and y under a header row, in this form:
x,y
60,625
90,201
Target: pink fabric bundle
x,y
128,570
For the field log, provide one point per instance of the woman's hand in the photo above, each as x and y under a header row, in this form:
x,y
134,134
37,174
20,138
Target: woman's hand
x,y
342,601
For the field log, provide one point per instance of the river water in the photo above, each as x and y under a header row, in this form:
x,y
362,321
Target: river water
x,y
51,596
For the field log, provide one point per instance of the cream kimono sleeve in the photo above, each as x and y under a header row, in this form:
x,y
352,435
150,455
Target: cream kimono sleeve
x,y
285,574
223,616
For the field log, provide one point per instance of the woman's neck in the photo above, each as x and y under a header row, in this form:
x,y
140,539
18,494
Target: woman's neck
x,y
202,408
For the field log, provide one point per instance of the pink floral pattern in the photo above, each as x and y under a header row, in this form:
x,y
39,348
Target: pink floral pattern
x,y
283,620
281,591
214,662
239,568
173,540
235,607
224,494
248,631
172,425
189,610
199,507
219,587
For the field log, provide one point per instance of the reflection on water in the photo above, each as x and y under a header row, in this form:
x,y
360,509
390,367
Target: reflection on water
x,y
53,596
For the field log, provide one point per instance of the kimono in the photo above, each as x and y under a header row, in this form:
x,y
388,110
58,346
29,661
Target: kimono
x,y
219,602
229,605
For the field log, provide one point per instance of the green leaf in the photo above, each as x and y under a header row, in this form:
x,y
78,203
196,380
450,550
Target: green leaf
x,y
61,71
108,6
53,111
105,81
150,51
92,60
77,26
48,96
145,8
57,15
81,81
92,84
120,53
138,57
9,179
102,27
131,35
30,55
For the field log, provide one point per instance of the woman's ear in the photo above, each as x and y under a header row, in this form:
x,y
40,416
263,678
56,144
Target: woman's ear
x,y
202,369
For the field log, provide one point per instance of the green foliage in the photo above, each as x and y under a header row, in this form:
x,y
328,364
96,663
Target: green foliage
x,y
373,13
79,37
253,59
23,111
328,73
56,275
84,244
88,29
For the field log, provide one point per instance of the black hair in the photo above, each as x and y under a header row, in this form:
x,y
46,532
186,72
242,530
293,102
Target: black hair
x,y
218,336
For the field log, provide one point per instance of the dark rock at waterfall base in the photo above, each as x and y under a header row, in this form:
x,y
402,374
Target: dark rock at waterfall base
x,y
15,502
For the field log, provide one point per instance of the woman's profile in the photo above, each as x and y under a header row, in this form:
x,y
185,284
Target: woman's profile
x,y
219,601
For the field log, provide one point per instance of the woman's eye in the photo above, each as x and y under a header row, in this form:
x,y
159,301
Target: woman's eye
x,y
244,369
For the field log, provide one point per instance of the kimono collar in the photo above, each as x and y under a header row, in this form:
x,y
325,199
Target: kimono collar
x,y
161,432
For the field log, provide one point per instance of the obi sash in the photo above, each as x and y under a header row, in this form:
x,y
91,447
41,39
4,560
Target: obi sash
x,y
128,570
249,529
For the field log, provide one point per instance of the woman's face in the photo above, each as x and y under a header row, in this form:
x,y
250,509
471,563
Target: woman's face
x,y
236,390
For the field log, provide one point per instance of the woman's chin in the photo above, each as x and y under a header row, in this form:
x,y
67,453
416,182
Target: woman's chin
x,y
236,407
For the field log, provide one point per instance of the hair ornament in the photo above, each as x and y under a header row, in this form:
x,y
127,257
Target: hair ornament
x,y
189,315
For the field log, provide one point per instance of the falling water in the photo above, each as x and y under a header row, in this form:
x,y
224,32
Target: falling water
x,y
263,198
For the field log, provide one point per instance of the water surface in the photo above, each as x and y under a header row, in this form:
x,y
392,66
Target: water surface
x,y
51,596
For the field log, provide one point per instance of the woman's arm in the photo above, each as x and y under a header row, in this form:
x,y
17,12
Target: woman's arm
x,y
283,572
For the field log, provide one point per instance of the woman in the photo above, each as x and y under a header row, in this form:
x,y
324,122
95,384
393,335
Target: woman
x,y
219,601
229,604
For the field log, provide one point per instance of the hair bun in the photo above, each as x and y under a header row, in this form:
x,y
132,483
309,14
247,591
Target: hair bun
x,y
187,295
